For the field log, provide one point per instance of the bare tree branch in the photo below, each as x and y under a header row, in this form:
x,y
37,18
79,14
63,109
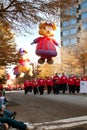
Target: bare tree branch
x,y
30,12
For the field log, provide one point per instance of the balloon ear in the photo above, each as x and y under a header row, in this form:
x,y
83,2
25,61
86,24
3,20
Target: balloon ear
x,y
42,24
54,26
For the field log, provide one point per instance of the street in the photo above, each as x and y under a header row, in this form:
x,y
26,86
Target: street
x,y
50,111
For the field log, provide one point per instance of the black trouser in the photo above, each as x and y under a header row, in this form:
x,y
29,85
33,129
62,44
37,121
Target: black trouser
x,y
35,90
57,88
41,90
77,89
26,89
71,88
54,89
30,89
49,89
64,87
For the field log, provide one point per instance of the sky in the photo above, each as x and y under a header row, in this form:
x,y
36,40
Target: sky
x,y
25,42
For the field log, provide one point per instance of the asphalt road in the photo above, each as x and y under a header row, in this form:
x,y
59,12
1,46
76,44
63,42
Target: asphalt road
x,y
50,111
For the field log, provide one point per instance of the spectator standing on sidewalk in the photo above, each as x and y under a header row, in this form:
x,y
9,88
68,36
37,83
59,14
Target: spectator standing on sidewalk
x,y
64,82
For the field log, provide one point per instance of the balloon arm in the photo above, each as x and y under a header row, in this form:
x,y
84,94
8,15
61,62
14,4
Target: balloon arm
x,y
59,46
36,40
32,43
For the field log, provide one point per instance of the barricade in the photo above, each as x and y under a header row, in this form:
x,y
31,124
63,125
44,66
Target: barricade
x,y
83,86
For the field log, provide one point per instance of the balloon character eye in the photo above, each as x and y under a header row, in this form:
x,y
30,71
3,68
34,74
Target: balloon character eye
x,y
48,24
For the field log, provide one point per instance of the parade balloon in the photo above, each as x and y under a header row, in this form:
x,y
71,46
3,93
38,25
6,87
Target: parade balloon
x,y
23,64
45,47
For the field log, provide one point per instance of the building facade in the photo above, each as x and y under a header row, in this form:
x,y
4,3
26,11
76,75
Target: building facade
x,y
71,29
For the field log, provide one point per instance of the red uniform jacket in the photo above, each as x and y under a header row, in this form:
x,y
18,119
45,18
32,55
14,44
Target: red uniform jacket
x,y
63,79
70,81
74,78
57,80
35,83
49,82
41,82
77,82
26,83
31,83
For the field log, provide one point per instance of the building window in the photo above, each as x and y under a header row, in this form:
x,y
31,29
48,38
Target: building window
x,y
73,11
65,32
65,23
73,41
84,15
72,21
65,42
73,31
84,5
84,26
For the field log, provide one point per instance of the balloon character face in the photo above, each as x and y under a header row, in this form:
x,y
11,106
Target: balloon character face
x,y
23,64
47,29
46,44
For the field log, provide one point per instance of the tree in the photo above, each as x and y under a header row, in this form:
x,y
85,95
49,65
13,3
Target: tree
x,y
81,52
69,61
8,53
23,14
48,70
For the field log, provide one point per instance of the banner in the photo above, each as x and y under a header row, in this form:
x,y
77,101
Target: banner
x,y
83,86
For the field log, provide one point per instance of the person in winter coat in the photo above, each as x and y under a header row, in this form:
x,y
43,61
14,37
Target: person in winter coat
x,y
71,85
35,86
41,84
77,84
49,84
74,78
57,84
26,86
64,82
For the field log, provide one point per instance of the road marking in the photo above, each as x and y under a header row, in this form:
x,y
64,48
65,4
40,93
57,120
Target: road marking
x,y
81,118
85,98
58,124
53,127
